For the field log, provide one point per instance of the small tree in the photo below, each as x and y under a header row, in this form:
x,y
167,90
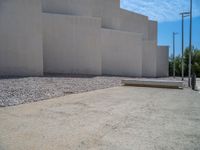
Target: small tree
x,y
196,62
178,63
171,65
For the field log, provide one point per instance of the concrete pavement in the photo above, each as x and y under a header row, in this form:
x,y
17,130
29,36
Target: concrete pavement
x,y
121,118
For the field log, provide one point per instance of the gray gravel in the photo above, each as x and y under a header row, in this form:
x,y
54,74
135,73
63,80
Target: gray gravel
x,y
31,89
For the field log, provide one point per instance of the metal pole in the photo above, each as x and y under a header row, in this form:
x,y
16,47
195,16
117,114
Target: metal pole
x,y
182,47
174,54
174,65
190,49
183,14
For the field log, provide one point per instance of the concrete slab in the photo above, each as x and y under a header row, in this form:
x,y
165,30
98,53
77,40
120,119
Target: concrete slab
x,y
119,118
154,83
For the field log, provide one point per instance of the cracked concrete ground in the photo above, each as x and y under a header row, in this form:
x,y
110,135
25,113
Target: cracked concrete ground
x,y
120,118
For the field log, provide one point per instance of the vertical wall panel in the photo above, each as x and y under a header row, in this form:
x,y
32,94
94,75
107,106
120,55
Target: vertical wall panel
x,y
149,59
121,53
20,38
163,61
71,44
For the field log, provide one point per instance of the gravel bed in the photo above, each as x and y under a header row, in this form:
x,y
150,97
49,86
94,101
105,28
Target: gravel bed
x,y
24,90
17,91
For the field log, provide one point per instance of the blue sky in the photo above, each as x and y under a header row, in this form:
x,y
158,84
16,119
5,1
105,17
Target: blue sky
x,y
166,12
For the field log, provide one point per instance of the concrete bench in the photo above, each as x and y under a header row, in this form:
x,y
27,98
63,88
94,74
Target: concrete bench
x,y
154,83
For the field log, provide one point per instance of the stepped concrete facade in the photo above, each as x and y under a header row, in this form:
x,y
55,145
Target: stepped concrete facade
x,y
93,37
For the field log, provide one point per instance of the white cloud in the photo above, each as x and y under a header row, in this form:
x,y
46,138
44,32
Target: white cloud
x,y
161,10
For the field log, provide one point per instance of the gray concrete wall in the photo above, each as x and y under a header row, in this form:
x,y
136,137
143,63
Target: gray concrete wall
x,y
133,22
152,30
162,61
150,51
108,10
149,59
118,19
20,38
70,7
71,44
110,14
76,43
121,53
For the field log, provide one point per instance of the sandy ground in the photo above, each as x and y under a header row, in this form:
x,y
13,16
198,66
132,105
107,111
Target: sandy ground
x,y
120,118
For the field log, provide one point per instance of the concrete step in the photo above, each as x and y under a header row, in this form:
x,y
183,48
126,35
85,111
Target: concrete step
x,y
154,83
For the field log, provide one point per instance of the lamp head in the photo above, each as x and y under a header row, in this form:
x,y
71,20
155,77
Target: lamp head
x,y
185,14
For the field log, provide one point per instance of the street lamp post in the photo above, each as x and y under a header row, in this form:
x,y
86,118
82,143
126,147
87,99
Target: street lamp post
x,y
174,51
190,47
183,14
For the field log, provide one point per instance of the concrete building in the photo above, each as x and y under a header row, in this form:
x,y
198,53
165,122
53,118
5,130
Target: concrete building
x,y
84,37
